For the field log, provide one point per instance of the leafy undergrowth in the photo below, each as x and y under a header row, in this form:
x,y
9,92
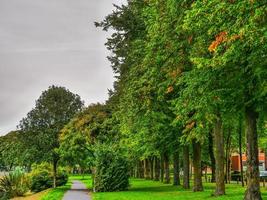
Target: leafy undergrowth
x,y
150,190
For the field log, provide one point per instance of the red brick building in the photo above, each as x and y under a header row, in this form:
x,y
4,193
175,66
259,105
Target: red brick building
x,y
236,166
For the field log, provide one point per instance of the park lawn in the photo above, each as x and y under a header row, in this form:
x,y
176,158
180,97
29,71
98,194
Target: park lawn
x,y
150,190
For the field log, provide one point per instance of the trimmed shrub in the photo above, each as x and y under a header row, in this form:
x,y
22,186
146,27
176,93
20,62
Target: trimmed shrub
x,y
14,184
42,177
111,170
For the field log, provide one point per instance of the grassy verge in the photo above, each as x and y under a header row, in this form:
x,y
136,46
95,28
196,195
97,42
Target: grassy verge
x,y
150,190
36,196
57,193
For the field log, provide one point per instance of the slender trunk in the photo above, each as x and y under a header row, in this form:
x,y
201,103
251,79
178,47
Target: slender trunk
x,y
55,161
83,174
229,168
191,169
197,167
206,174
142,170
186,167
93,170
176,168
240,152
227,155
10,167
151,167
166,168
146,168
219,158
136,169
157,169
162,168
253,187
212,158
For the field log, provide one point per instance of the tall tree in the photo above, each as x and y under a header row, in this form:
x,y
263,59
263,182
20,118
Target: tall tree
x,y
231,44
41,128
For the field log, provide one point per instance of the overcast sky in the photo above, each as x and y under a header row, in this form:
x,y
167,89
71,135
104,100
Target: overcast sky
x,y
46,42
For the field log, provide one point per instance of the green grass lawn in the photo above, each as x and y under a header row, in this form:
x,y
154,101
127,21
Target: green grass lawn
x,y
150,190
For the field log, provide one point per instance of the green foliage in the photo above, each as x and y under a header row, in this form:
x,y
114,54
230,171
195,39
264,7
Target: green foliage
x,y
14,184
11,151
111,169
41,177
40,129
183,67
78,137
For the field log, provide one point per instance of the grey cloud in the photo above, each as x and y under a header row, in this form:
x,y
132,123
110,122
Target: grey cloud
x,y
45,42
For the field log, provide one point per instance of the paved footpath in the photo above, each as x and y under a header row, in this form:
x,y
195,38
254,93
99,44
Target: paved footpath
x,y
78,191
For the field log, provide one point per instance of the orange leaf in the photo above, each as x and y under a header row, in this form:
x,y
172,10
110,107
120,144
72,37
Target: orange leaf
x,y
220,38
170,89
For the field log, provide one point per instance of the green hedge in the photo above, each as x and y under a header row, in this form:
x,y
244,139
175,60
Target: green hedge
x,y
111,170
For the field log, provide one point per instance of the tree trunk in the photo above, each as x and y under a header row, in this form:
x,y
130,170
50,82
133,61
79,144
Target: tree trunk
x,y
157,169
151,167
227,155
93,178
253,187
219,158
136,169
142,170
166,168
146,168
197,167
206,174
162,168
55,161
212,158
186,167
176,168
240,152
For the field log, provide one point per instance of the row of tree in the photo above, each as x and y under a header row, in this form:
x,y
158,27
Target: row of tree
x,y
190,72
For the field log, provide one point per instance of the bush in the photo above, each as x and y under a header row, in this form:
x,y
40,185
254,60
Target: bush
x,y
111,170
14,184
42,177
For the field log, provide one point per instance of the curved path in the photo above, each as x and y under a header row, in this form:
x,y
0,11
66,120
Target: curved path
x,y
78,191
